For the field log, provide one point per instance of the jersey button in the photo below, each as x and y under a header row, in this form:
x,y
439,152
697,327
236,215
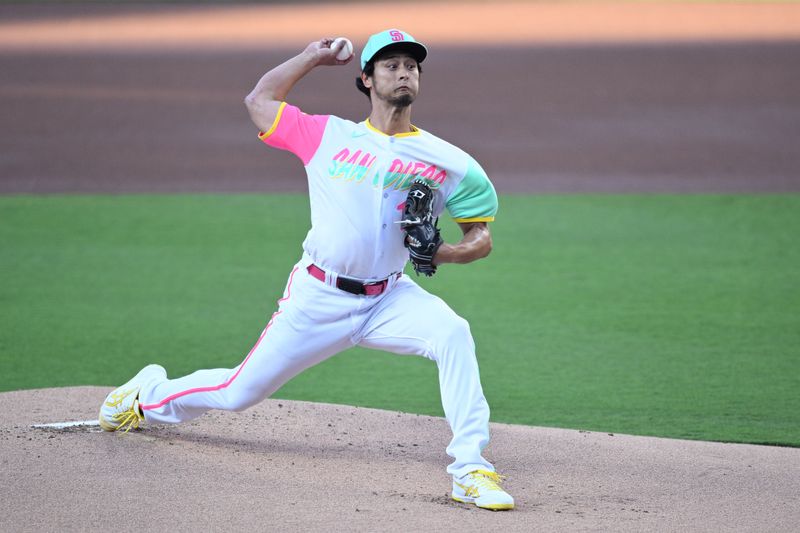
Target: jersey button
x,y
384,226
386,195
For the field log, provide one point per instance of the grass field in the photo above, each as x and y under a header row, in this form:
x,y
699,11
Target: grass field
x,y
675,316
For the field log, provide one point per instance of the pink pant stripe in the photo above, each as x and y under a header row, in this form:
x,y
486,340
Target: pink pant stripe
x,y
241,367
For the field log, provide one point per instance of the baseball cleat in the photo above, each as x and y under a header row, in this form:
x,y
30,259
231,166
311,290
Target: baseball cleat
x,y
121,410
482,488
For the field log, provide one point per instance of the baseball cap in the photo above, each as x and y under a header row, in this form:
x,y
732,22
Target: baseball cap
x,y
396,39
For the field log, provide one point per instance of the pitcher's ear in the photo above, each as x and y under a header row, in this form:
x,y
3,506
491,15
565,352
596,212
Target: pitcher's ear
x,y
366,80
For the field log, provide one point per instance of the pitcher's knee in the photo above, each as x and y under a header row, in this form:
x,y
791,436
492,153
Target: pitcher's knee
x,y
454,334
239,398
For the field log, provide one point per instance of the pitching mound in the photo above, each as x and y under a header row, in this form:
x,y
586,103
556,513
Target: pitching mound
x,y
297,466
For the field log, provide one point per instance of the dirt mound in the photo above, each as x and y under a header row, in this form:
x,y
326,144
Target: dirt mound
x,y
298,466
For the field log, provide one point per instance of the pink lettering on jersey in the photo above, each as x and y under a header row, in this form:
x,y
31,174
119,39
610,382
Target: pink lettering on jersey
x,y
342,156
393,175
429,172
355,166
397,166
417,167
366,161
348,167
401,175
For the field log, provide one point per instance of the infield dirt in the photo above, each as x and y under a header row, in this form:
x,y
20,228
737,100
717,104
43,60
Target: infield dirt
x,y
622,98
297,466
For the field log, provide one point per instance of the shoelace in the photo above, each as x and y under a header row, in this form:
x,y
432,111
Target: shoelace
x,y
129,419
487,480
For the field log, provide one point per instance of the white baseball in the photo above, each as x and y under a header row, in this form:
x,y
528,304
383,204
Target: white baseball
x,y
347,49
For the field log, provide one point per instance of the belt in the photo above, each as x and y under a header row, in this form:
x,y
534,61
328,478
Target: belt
x,y
353,286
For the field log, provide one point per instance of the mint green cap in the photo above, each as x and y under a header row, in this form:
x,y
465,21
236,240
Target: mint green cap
x,y
396,39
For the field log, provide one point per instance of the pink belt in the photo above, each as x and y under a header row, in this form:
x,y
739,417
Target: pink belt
x,y
353,286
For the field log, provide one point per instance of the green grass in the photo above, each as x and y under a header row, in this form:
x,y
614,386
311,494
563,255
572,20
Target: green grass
x,y
675,316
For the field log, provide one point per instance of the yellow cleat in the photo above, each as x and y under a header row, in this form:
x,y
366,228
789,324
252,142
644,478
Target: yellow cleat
x,y
482,488
121,410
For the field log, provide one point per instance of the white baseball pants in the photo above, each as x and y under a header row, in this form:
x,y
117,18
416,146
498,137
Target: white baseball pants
x,y
315,321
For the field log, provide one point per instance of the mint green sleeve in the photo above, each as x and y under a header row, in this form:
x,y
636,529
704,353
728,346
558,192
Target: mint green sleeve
x,y
474,199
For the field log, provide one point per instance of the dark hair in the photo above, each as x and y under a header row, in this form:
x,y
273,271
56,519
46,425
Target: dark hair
x,y
369,70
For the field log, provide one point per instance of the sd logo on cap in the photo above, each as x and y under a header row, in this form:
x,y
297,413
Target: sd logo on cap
x,y
396,39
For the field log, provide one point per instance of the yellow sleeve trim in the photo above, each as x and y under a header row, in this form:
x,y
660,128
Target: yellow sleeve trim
x,y
263,135
474,219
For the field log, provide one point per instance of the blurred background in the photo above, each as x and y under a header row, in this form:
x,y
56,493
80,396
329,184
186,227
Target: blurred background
x,y
548,96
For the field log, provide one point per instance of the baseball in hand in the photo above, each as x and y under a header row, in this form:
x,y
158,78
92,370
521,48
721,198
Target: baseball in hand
x,y
347,48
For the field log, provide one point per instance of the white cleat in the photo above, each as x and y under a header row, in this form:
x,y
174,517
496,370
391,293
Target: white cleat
x,y
482,488
121,410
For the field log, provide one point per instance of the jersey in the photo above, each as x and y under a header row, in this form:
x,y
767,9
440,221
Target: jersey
x,y
358,180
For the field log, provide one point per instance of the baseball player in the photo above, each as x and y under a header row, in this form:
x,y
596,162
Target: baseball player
x,y
376,189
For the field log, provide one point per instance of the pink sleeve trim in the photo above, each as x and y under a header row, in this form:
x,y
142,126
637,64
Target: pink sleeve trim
x,y
296,132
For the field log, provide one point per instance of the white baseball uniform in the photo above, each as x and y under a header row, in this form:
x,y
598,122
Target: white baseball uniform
x,y
358,179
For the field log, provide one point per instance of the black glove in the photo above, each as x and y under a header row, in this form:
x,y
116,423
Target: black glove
x,y
422,232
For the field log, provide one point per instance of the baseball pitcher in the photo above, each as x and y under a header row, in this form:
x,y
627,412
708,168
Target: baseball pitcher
x,y
377,189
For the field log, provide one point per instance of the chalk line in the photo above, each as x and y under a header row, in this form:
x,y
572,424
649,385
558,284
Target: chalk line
x,y
62,425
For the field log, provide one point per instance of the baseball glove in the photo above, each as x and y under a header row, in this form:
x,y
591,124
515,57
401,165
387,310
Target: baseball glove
x,y
422,232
